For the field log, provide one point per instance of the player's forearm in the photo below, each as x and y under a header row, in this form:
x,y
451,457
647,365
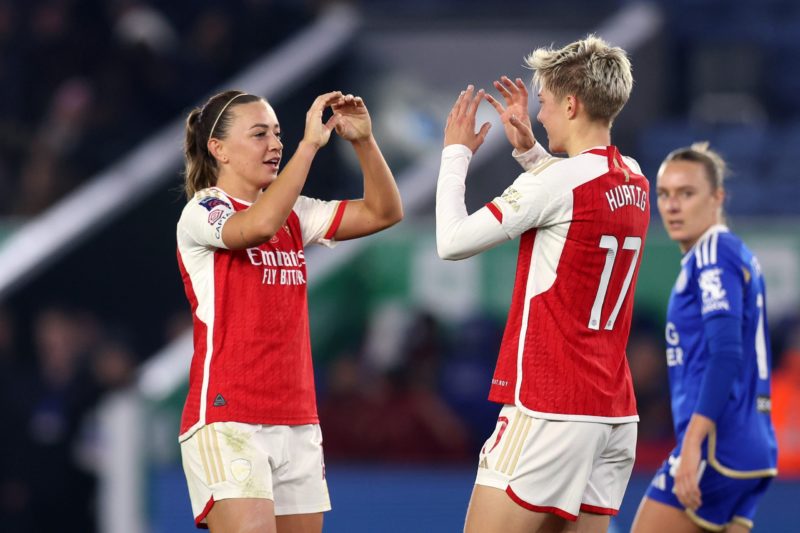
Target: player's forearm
x,y
723,336
459,235
450,207
270,210
381,196
698,429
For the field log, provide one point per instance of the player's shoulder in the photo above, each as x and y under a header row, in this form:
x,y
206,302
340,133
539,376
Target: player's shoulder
x,y
206,200
209,198
718,245
584,163
570,172
207,204
632,164
730,242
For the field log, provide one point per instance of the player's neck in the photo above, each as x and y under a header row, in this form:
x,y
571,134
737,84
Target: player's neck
x,y
585,135
237,188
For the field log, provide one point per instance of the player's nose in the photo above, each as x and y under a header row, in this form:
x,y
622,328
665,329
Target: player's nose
x,y
673,204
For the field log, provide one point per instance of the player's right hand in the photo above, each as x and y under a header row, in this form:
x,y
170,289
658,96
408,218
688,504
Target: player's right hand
x,y
515,117
687,486
317,133
460,127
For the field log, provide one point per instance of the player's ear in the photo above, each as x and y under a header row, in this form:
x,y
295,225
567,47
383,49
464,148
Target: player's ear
x,y
719,195
571,104
217,150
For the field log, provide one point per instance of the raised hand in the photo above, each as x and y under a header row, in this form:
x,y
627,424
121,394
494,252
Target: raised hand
x,y
354,123
460,127
317,132
514,115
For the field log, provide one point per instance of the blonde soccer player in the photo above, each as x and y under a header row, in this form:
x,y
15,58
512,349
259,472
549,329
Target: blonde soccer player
x,y
718,358
561,454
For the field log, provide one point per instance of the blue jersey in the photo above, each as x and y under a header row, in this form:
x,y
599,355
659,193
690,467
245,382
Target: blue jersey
x,y
720,276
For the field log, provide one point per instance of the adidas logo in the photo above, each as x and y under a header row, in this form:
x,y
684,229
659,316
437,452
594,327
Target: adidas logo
x,y
219,401
484,463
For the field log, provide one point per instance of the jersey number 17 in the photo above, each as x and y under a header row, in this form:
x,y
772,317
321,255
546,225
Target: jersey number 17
x,y
610,243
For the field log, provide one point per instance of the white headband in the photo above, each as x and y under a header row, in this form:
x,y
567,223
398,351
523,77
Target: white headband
x,y
221,111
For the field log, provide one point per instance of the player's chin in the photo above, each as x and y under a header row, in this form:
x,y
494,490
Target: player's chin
x,y
270,176
676,234
675,231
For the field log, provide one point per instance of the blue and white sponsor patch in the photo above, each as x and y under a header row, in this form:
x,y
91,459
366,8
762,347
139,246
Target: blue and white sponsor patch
x,y
211,202
714,294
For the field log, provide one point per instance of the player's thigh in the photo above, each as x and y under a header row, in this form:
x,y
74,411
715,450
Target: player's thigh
x,y
300,485
726,500
491,510
545,466
242,515
591,523
553,471
611,471
734,527
656,517
300,523
224,461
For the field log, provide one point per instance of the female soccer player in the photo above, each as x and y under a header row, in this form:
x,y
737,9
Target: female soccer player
x,y
719,362
250,436
563,448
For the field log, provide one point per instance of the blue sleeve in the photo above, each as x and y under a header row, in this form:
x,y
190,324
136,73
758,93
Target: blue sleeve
x,y
721,286
723,335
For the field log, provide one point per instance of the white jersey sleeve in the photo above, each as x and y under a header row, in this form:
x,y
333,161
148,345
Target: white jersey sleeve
x,y
318,219
459,235
203,218
531,158
529,203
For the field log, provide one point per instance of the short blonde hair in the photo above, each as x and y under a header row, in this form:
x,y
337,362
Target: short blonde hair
x,y
598,74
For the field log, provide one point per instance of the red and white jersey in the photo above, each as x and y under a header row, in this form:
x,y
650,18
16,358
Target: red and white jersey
x,y
252,350
582,223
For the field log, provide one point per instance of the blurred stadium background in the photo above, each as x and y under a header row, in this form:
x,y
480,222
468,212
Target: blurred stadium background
x,y
94,348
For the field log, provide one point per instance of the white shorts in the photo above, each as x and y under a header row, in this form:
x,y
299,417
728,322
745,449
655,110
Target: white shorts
x,y
279,463
559,467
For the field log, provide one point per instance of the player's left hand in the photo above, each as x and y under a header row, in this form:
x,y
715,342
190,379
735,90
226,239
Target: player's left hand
x,y
515,118
687,487
460,128
354,122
